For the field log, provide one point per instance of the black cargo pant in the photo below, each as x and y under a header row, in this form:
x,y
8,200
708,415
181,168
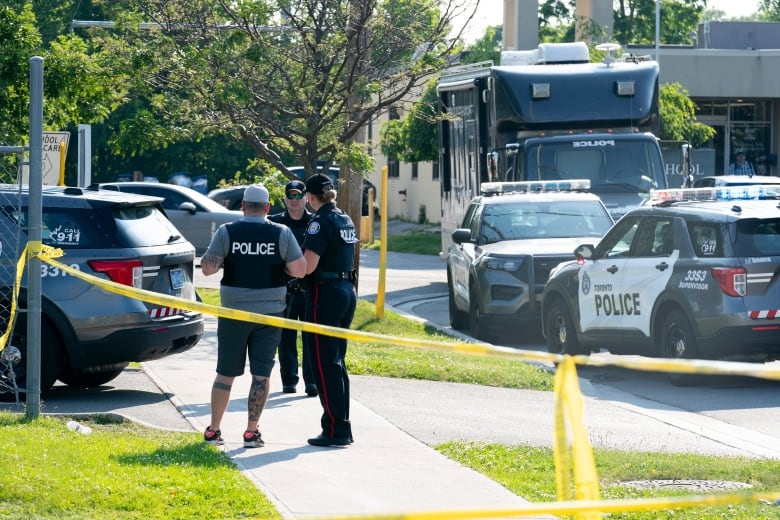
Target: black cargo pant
x,y
331,302
288,347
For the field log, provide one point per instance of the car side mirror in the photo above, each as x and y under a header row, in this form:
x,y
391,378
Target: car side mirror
x,y
189,207
461,235
584,251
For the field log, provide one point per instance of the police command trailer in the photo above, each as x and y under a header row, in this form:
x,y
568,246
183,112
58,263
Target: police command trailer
x,y
549,115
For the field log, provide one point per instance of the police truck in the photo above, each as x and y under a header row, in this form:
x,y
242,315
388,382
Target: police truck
x,y
550,114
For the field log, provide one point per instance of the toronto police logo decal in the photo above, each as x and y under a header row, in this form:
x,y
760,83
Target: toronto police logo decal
x,y
585,284
314,228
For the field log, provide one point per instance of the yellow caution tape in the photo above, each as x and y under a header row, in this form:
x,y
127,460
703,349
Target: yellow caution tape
x,y
14,298
571,507
568,398
485,349
568,402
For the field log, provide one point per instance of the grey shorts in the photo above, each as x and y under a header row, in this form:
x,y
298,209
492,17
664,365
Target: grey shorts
x,y
236,339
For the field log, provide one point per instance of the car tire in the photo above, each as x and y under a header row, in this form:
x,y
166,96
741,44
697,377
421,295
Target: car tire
x,y
91,377
51,355
678,341
478,325
560,332
459,320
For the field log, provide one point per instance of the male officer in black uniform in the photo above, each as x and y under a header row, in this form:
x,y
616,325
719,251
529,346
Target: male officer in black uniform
x,y
254,254
329,248
296,217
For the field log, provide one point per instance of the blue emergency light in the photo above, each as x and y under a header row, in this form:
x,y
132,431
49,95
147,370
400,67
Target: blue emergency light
x,y
752,192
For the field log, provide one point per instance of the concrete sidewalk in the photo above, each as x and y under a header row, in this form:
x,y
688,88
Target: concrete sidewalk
x,y
386,470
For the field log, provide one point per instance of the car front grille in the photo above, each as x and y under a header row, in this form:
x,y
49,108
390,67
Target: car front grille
x,y
543,265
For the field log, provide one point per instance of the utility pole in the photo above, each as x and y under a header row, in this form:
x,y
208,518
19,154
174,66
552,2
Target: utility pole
x,y
357,67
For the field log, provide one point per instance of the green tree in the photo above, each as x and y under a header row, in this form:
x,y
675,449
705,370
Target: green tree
x,y
678,117
228,67
416,137
769,10
77,85
634,20
487,48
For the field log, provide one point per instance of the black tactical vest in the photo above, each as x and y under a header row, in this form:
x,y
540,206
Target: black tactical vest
x,y
253,260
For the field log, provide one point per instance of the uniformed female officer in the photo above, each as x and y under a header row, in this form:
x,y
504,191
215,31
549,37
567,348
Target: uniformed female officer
x,y
329,247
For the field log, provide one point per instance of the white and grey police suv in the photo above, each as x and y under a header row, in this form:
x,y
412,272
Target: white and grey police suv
x,y
696,274
511,237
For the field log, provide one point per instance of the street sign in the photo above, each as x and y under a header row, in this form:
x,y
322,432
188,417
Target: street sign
x,y
55,149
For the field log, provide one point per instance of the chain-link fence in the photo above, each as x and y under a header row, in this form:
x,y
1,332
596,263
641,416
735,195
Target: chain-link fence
x,y
11,159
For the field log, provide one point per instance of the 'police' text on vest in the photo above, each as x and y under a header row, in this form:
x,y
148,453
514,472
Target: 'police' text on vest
x,y
254,248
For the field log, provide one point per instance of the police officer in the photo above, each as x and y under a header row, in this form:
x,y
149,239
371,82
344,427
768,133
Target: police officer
x,y
296,217
254,255
329,248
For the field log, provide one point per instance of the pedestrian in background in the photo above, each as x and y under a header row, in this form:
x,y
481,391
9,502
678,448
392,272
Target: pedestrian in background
x,y
255,254
329,249
296,217
741,166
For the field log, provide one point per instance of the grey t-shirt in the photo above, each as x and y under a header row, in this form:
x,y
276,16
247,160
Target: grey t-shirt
x,y
261,301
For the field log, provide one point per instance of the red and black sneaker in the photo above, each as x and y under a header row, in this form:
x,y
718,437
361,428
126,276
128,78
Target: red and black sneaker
x,y
213,437
253,439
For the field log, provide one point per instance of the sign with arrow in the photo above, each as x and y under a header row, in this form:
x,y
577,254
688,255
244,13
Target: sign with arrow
x,y
55,149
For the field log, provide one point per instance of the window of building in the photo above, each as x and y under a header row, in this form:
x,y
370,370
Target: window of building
x,y
393,165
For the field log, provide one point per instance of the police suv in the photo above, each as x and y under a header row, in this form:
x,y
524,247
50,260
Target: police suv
x,y
511,237
695,274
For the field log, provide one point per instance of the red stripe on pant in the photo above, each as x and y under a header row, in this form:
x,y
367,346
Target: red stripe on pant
x,y
323,387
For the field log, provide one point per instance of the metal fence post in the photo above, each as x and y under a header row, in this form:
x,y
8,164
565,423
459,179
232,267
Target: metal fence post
x,y
34,234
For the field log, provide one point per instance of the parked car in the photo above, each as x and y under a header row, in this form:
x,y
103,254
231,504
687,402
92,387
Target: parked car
x,y
511,237
695,275
334,172
232,196
194,214
712,181
89,335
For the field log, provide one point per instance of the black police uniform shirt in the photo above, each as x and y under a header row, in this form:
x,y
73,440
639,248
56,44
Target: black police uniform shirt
x,y
332,235
255,252
298,227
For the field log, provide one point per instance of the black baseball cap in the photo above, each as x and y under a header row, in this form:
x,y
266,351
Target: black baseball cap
x,y
295,187
319,184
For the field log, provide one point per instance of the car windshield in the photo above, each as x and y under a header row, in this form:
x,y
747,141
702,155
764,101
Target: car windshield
x,y
555,219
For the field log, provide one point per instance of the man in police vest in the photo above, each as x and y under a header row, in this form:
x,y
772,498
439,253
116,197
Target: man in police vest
x,y
255,254
296,217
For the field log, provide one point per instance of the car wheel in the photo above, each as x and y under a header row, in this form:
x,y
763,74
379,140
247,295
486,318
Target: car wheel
x,y
678,342
51,357
91,377
560,332
459,320
477,322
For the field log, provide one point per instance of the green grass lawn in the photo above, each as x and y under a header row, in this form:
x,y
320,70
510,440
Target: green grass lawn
x,y
417,242
119,471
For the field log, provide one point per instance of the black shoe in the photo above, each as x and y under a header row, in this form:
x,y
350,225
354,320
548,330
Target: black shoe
x,y
289,389
323,440
311,390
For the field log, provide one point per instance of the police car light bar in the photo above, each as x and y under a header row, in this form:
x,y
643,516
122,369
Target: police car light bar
x,y
752,192
497,188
